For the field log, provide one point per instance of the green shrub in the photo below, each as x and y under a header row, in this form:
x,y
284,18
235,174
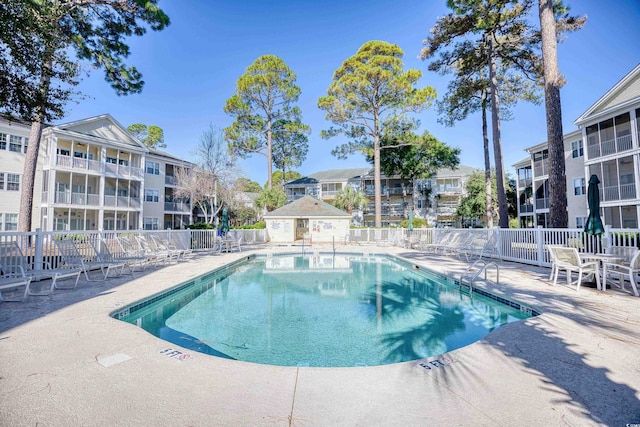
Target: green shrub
x,y
201,226
260,225
417,223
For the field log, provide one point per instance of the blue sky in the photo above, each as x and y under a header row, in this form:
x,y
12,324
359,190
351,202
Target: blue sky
x,y
191,68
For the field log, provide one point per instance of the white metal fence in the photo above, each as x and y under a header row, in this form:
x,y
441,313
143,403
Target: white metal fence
x,y
39,247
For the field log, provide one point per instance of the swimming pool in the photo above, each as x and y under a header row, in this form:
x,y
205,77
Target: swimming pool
x,y
322,310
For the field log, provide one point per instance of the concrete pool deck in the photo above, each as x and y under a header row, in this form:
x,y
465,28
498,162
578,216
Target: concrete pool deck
x,y
66,362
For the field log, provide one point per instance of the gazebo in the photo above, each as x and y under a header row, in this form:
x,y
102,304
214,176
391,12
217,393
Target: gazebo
x,y
307,218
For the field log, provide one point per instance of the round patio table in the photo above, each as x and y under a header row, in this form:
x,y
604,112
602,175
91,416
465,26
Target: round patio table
x,y
602,259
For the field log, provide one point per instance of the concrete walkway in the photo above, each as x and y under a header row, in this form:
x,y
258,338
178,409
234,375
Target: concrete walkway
x,y
65,362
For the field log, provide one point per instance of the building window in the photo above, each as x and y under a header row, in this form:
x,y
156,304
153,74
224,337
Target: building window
x,y
13,182
581,221
152,168
3,141
10,222
151,196
15,143
151,223
576,149
112,160
579,187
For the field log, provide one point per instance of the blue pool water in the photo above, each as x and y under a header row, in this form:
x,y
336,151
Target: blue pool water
x,y
322,310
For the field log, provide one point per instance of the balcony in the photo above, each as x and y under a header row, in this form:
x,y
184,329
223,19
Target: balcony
x,y
524,183
622,192
448,189
122,170
170,180
526,208
608,147
81,199
330,194
177,207
541,168
542,203
78,163
121,202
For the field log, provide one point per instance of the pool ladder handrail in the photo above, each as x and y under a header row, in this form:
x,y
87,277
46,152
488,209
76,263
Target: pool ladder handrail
x,y
482,266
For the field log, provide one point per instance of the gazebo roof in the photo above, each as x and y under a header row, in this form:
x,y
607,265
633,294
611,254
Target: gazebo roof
x,y
307,207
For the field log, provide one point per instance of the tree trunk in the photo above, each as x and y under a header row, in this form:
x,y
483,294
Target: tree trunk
x,y
557,174
29,174
33,149
269,156
503,209
487,163
376,175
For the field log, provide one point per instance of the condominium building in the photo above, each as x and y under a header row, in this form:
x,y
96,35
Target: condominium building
x,y
607,144
435,199
14,138
611,135
532,184
92,174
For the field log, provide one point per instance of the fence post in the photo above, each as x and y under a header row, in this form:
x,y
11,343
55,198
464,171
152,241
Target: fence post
x,y
540,241
607,235
39,250
498,230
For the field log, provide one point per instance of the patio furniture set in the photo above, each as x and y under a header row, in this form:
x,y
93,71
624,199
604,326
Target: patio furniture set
x,y
617,263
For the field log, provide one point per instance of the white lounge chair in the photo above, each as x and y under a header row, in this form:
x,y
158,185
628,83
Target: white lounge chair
x,y
568,259
15,262
104,254
72,258
12,280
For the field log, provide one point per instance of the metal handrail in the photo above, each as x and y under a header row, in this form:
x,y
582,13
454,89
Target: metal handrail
x,y
482,267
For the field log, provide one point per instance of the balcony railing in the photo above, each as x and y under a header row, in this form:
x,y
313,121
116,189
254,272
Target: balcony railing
x,y
541,167
121,202
77,163
614,192
624,143
170,180
628,191
542,203
524,183
332,193
611,146
526,208
177,207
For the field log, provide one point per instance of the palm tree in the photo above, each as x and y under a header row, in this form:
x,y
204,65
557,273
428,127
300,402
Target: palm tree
x,y
349,199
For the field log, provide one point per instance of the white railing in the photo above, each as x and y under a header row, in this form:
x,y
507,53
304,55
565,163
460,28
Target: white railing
x,y
524,245
39,247
624,143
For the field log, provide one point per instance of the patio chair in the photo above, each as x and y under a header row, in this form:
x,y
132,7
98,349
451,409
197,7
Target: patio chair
x,y
11,280
104,254
154,254
131,250
553,258
14,262
73,258
622,270
568,259
236,243
163,246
